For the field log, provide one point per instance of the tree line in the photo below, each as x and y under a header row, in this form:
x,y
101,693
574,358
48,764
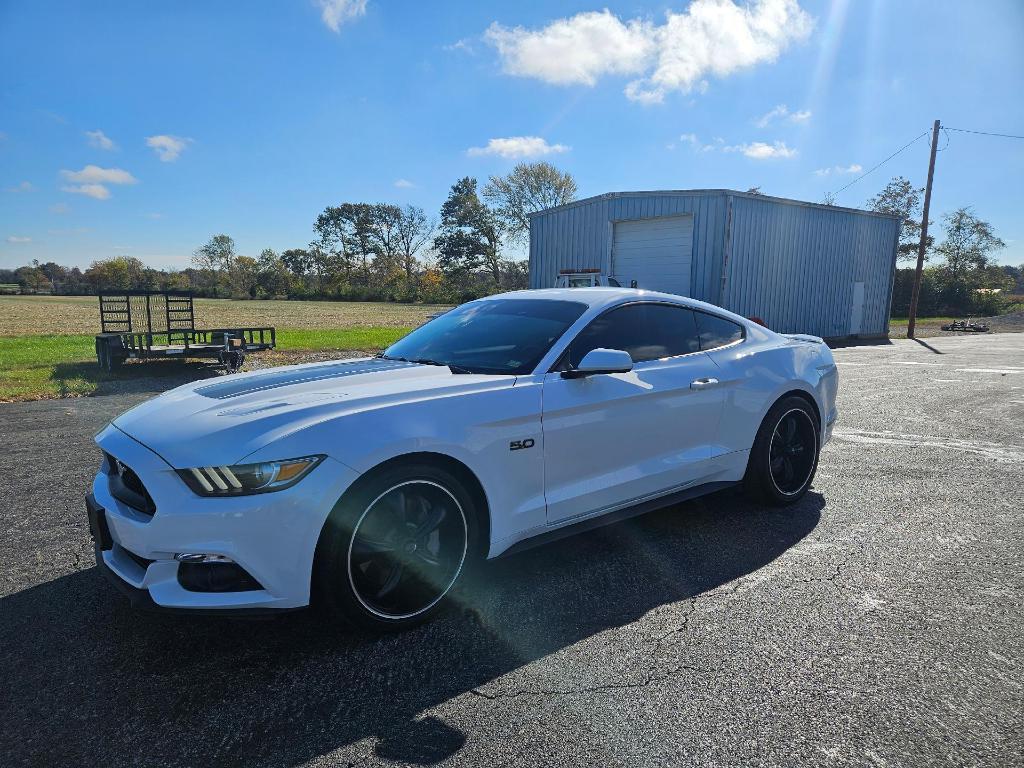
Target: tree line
x,y
965,281
386,252
359,251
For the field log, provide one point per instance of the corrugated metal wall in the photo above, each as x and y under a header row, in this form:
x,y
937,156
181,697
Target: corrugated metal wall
x,y
793,264
580,236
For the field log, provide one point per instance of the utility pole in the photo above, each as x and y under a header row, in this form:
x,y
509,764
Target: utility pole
x,y
912,320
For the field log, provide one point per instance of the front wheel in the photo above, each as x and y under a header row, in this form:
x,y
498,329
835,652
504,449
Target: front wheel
x,y
394,547
784,457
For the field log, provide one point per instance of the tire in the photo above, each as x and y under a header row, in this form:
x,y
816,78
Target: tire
x,y
103,355
108,360
784,456
394,547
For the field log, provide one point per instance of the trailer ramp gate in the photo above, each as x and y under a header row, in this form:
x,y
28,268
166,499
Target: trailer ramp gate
x,y
154,324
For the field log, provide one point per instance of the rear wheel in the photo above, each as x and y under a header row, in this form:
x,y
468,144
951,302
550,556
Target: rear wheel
x,y
394,547
784,457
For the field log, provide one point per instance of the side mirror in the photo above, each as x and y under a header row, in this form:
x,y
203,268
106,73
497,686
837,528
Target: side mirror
x,y
601,361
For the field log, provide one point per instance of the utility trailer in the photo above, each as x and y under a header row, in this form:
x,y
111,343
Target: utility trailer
x,y
144,325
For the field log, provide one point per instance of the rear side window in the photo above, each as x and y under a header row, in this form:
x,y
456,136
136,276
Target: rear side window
x,y
717,331
645,331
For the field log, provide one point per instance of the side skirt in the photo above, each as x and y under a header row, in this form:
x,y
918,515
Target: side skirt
x,y
619,515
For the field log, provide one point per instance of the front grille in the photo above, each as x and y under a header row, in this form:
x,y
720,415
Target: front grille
x,y
127,487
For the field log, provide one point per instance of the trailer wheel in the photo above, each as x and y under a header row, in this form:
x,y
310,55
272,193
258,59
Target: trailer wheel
x,y
108,360
232,360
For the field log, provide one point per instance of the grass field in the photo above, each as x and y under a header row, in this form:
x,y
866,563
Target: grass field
x,y
46,342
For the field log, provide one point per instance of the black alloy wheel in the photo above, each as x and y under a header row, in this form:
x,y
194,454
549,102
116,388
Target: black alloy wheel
x,y
407,549
791,456
784,456
395,545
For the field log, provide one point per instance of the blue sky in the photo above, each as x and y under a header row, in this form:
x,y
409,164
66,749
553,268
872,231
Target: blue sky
x,y
145,128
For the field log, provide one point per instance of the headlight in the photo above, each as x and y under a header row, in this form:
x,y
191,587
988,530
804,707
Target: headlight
x,y
244,479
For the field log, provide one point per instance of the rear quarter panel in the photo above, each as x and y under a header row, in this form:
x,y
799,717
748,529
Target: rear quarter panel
x,y
758,371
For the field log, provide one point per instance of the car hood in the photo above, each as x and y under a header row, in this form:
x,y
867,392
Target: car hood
x,y
223,421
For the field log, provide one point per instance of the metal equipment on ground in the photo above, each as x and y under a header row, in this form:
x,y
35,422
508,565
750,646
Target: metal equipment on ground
x,y
144,325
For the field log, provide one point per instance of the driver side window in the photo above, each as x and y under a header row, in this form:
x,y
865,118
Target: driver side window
x,y
647,331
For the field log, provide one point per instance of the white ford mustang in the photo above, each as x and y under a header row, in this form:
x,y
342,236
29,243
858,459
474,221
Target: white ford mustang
x,y
370,485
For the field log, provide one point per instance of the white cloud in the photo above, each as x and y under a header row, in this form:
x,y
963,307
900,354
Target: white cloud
x,y
577,50
96,191
404,184
91,181
19,240
756,150
100,140
766,119
515,147
759,150
710,38
24,186
60,208
167,147
463,45
781,112
336,12
839,169
696,143
95,174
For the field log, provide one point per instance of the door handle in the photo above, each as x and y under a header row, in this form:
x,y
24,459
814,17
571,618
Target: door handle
x,y
707,383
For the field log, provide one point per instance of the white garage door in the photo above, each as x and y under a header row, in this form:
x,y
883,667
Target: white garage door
x,y
654,252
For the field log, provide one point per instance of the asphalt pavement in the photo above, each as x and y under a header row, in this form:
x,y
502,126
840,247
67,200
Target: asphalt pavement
x,y
876,623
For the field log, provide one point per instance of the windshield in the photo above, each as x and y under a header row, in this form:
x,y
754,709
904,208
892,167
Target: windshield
x,y
499,336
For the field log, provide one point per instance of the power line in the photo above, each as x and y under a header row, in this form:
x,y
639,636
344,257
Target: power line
x,y
872,170
984,133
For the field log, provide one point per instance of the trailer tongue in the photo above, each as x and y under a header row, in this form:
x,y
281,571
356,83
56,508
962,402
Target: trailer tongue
x,y
144,325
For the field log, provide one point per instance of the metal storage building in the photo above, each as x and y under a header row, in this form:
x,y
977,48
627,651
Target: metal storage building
x,y
801,267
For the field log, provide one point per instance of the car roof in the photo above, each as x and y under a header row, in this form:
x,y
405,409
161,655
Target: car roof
x,y
603,296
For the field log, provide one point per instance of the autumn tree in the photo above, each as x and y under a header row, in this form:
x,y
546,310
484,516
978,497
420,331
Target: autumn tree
x,y
120,272
529,188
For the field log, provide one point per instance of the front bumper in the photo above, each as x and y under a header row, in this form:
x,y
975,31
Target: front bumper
x,y
138,597
272,536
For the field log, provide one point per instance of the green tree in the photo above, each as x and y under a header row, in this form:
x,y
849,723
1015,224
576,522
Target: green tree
x,y
530,187
215,257
297,261
32,279
346,233
967,244
469,236
244,277
901,198
272,273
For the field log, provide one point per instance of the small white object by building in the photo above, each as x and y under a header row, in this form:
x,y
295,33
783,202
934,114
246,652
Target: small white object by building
x,y
584,278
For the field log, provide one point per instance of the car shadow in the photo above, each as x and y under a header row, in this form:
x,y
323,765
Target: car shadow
x,y
88,680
